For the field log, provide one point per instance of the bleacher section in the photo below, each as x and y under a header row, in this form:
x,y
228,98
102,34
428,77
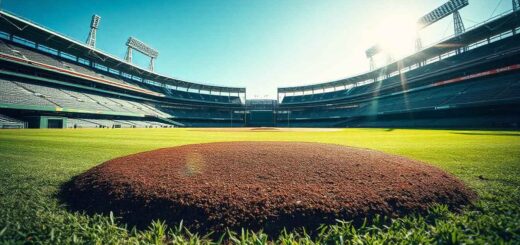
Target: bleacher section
x,y
206,117
202,114
195,96
48,59
393,84
103,123
8,122
27,94
495,90
13,94
476,88
29,53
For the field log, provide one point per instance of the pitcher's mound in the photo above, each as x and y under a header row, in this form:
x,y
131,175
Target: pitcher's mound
x,y
261,185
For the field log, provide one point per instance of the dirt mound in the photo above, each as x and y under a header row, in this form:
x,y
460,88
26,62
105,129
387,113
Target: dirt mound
x,y
261,185
264,129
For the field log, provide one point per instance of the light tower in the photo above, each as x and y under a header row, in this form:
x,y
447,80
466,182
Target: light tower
x,y
370,53
94,24
450,7
141,47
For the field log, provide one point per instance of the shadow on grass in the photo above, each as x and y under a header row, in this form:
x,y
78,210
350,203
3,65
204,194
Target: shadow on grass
x,y
488,134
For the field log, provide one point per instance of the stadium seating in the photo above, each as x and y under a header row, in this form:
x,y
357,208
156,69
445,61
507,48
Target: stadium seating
x,y
49,59
8,122
14,94
93,89
393,84
480,91
202,114
19,93
104,123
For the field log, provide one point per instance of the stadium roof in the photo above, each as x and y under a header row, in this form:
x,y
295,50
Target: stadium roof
x,y
496,25
29,30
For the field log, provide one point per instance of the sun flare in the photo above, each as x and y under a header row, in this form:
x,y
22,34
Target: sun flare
x,y
396,34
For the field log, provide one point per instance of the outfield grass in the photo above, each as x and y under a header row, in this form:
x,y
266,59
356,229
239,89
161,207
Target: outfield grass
x,y
34,163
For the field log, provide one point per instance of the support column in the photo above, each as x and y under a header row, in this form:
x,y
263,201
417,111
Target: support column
x,y
151,67
128,56
459,28
372,63
516,7
418,46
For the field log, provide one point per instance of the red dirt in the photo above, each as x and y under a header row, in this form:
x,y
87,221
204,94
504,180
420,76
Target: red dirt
x,y
264,129
261,185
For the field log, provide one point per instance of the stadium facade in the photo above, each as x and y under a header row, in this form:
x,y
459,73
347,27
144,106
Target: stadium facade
x,y
48,80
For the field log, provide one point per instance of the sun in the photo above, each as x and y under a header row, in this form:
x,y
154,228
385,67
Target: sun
x,y
396,34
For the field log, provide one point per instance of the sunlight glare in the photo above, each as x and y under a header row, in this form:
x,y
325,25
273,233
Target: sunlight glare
x,y
396,34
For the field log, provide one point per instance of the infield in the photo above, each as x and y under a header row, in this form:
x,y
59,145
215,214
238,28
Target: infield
x,y
36,163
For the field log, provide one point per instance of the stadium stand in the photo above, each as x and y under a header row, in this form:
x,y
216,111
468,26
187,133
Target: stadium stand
x,y
60,79
36,55
8,122
475,88
499,90
18,93
14,94
469,80
497,48
104,123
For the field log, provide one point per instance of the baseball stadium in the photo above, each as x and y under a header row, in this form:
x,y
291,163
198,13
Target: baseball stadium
x,y
420,144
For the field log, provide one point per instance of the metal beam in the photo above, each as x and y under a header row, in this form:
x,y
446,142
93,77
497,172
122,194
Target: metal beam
x,y
128,56
151,67
458,25
458,28
372,63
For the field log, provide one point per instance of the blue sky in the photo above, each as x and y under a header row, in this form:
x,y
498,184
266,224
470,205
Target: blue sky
x,y
259,44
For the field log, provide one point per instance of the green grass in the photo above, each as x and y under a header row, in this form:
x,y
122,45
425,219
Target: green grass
x,y
34,163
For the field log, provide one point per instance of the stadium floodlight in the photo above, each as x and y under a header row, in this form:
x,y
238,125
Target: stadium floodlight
x,y
444,10
94,25
451,7
95,21
141,47
370,53
373,51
